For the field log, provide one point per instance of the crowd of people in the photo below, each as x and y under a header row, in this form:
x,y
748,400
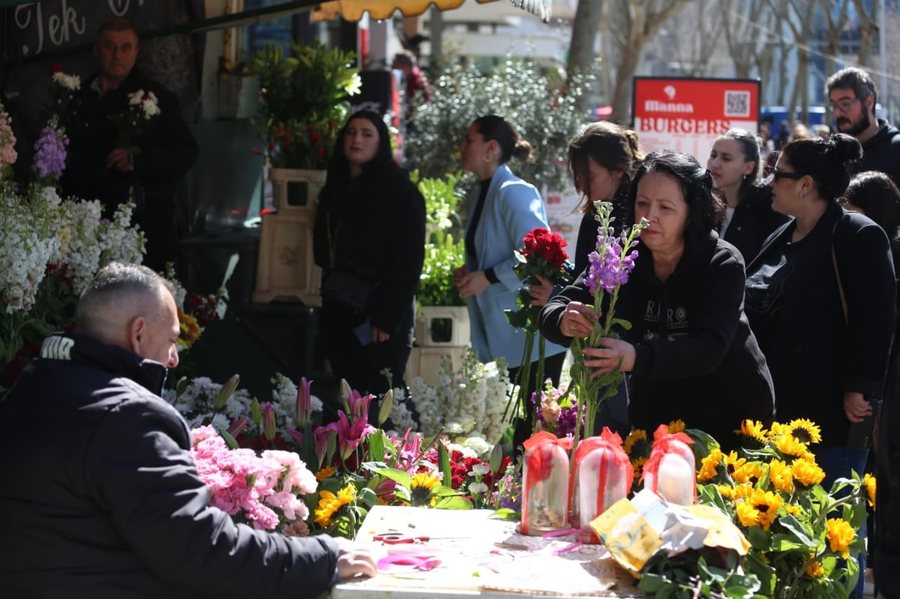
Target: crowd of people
x,y
750,299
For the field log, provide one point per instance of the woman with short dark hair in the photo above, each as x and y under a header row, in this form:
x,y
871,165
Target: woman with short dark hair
x,y
690,352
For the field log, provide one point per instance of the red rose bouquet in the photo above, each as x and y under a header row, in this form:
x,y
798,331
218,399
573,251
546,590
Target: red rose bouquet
x,y
542,255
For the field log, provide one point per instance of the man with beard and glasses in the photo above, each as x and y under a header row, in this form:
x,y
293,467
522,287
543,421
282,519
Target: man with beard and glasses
x,y
852,95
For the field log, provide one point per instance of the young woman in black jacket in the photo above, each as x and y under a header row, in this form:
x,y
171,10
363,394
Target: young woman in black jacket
x,y
369,239
690,351
734,164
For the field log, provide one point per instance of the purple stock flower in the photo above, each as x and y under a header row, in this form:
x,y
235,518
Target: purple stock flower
x,y
50,153
607,268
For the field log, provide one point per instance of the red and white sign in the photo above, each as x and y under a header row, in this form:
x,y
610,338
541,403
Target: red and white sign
x,y
689,114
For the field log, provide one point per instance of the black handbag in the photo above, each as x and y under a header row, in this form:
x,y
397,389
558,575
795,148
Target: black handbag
x,y
349,288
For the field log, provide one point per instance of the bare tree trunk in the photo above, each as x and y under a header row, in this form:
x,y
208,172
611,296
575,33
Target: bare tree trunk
x,y
584,36
836,23
640,20
868,28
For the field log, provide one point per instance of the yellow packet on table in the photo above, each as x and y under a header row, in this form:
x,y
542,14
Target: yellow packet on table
x,y
630,530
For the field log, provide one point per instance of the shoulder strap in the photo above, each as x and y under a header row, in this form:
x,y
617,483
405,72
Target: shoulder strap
x,y
837,270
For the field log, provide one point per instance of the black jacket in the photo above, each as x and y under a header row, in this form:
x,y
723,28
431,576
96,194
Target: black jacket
x,y
752,222
882,152
887,516
696,357
587,231
794,307
167,149
374,227
100,497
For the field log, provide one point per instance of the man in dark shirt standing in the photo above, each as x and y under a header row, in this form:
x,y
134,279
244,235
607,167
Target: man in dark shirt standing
x,y
853,96
114,162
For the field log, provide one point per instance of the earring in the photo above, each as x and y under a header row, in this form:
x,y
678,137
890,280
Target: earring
x,y
486,158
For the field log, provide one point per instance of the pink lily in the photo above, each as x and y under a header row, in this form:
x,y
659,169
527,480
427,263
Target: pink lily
x,y
304,402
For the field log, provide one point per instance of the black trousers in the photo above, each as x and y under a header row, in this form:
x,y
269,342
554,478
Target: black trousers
x,y
363,365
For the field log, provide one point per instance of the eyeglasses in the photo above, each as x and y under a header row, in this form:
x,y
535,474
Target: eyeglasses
x,y
777,174
843,105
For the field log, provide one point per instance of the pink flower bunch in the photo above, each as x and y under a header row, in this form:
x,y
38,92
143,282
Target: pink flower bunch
x,y
8,153
262,489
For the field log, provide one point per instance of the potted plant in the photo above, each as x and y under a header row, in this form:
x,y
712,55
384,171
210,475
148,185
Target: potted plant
x,y
442,316
304,104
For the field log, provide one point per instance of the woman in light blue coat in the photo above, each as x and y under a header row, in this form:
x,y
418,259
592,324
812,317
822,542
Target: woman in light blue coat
x,y
505,209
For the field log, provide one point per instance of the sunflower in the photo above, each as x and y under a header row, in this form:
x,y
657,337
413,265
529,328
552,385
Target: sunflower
x,y
635,437
637,464
726,491
753,429
807,472
793,509
788,444
749,472
676,426
709,464
840,535
329,504
815,570
420,487
869,482
805,431
743,491
733,462
766,504
747,514
189,330
775,430
325,472
781,475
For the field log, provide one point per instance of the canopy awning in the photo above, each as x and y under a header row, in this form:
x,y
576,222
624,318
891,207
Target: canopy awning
x,y
352,10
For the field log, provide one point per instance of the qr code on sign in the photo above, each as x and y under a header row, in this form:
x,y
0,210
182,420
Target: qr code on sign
x,y
737,103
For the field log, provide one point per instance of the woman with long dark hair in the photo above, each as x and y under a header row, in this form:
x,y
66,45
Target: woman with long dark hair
x,y
369,240
821,298
734,163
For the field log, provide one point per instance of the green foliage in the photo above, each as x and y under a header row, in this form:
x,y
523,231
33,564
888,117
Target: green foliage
x,y
544,114
692,574
443,253
305,101
442,256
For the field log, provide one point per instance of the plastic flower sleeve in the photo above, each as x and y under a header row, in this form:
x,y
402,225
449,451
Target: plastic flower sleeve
x,y
669,471
602,476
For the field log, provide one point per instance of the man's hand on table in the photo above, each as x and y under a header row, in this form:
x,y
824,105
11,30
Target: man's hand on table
x,y
354,560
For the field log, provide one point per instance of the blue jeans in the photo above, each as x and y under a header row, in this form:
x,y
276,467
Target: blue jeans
x,y
837,462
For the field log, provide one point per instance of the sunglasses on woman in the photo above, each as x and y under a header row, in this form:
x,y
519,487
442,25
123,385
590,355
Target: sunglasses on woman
x,y
777,174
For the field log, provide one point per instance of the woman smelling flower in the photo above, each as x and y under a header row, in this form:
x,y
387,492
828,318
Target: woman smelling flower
x,y
689,345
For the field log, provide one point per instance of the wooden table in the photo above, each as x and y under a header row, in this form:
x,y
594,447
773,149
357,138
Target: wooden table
x,y
480,556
